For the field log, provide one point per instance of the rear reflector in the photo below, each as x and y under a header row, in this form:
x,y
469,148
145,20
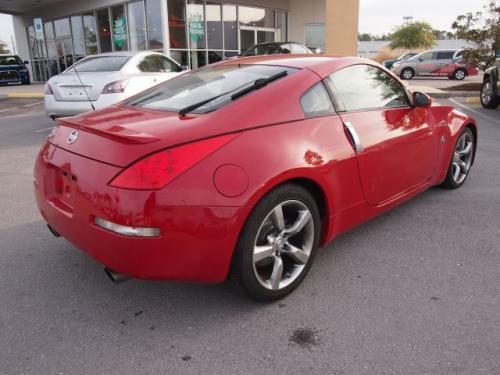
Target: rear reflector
x,y
127,231
157,170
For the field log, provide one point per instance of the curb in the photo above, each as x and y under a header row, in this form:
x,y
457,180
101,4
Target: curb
x,y
474,100
23,95
453,94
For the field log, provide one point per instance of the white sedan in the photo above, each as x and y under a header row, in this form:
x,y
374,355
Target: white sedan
x,y
99,81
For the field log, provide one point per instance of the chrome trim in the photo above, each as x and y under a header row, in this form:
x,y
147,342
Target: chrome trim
x,y
354,135
125,230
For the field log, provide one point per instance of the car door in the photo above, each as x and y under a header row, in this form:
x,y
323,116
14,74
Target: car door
x,y
396,143
445,63
426,63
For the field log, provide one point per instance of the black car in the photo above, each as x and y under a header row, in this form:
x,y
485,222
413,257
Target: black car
x,y
13,70
276,48
490,91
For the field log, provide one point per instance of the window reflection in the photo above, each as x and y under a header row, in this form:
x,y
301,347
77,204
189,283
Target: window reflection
x,y
214,25
120,28
177,23
256,17
196,24
104,30
230,27
89,31
137,26
155,24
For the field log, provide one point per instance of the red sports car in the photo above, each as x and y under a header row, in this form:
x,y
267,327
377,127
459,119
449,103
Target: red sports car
x,y
245,167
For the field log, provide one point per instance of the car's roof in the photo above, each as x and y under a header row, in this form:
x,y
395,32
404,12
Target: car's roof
x,y
8,55
124,54
321,64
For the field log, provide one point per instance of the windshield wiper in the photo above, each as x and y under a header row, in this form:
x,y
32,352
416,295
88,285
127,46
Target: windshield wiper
x,y
257,84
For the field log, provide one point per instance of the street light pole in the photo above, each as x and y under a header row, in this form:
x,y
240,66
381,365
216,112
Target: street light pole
x,y
408,19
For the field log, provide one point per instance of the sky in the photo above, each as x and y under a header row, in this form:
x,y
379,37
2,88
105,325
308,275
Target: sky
x,y
376,16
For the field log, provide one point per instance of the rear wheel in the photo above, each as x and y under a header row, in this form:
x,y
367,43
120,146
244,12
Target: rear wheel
x,y
459,74
461,160
278,243
407,73
489,98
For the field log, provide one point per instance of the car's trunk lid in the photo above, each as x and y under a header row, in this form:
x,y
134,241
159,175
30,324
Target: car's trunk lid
x,y
68,87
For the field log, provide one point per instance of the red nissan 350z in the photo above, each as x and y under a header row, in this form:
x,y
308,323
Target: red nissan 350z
x,y
245,167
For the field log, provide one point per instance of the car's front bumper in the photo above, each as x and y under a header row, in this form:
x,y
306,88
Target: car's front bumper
x,y
195,242
60,108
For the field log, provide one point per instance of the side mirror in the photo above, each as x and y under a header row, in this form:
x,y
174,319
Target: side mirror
x,y
421,59
184,67
26,62
421,100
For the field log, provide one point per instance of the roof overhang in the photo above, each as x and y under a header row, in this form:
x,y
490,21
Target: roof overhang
x,y
23,6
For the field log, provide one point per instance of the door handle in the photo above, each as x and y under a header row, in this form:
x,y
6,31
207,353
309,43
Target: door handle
x,y
358,147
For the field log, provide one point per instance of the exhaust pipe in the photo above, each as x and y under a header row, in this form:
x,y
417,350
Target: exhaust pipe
x,y
116,277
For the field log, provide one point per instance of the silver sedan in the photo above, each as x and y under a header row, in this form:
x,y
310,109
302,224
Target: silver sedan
x,y
99,81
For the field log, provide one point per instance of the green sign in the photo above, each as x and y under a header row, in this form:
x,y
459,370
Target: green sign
x,y
120,31
196,27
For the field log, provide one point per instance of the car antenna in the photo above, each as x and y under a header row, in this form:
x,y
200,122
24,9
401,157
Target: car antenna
x,y
83,87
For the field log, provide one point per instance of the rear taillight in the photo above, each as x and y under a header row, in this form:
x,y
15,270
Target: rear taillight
x,y
157,170
116,87
47,90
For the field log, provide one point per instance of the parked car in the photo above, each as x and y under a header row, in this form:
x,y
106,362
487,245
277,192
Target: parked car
x,y
276,48
490,90
389,63
245,167
13,70
99,81
447,63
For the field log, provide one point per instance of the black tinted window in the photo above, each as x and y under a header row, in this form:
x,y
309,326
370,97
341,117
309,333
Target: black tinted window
x,y
10,60
445,55
363,87
102,64
316,101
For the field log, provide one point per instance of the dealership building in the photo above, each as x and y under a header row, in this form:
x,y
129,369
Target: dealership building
x,y
52,34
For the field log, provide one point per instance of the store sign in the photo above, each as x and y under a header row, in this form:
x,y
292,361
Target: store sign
x,y
120,31
38,24
196,27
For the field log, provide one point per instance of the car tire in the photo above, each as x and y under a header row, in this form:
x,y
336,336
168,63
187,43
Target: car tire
x,y
459,74
268,264
407,73
489,99
461,160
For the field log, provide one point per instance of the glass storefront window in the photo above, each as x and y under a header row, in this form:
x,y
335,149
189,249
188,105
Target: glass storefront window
x,y
214,56
119,30
198,59
180,56
281,27
53,68
256,17
90,35
177,23
214,25
196,24
137,26
104,30
315,36
155,24
230,27
78,37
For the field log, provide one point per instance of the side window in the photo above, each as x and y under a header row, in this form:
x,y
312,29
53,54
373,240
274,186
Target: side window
x,y
444,55
316,101
426,56
157,64
298,49
365,87
286,49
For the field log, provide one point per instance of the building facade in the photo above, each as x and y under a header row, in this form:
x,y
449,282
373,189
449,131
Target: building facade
x,y
54,34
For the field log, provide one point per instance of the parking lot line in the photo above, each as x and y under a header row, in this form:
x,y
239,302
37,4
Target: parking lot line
x,y
477,113
33,104
8,109
43,130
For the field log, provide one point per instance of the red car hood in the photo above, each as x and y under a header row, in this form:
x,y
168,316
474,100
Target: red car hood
x,y
119,135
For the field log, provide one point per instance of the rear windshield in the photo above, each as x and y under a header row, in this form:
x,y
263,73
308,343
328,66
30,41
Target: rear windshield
x,y
204,84
10,60
102,64
262,49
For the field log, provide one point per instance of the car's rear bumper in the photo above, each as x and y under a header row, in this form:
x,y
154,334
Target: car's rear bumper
x,y
60,108
195,242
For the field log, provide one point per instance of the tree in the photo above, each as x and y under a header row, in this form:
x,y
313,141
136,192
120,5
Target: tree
x,y
439,34
413,35
3,47
482,30
365,37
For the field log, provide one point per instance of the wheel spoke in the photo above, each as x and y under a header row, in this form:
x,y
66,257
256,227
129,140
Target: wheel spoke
x,y
456,171
466,150
300,223
278,219
462,165
262,252
277,273
297,254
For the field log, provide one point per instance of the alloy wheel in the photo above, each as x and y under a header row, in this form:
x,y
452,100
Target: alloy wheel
x,y
407,74
283,245
462,157
459,75
486,93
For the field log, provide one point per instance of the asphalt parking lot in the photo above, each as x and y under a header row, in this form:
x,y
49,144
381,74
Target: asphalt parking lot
x,y
415,291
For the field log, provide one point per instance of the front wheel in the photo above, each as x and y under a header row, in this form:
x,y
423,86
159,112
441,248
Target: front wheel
x,y
459,74
461,160
277,245
489,98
